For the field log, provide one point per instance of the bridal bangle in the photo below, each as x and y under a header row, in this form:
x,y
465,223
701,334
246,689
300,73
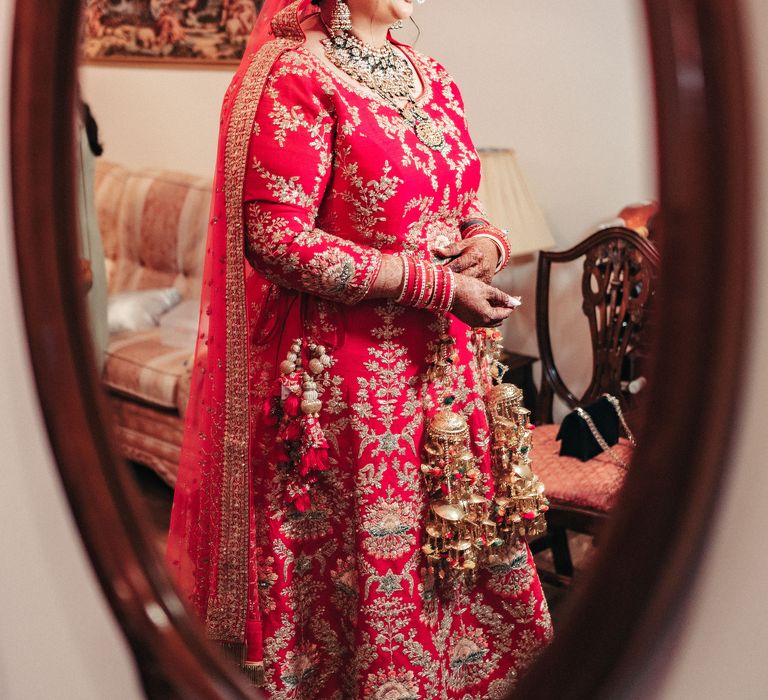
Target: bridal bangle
x,y
406,279
427,285
477,228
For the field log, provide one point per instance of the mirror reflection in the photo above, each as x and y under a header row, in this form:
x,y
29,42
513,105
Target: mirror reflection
x,y
331,357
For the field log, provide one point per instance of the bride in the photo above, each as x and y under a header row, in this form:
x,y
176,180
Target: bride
x,y
337,428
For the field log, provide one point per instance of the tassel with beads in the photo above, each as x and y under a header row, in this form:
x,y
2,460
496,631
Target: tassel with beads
x,y
301,445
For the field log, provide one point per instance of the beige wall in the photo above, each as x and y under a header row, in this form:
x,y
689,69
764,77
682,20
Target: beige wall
x,y
564,83
57,636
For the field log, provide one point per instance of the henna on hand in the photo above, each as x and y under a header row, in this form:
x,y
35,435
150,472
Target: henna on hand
x,y
475,257
480,305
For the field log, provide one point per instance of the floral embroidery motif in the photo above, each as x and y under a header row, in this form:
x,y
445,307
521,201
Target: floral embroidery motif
x,y
512,574
390,524
310,524
267,579
467,653
367,198
301,667
392,684
385,390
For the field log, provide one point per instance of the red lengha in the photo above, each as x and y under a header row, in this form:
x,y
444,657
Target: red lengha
x,y
339,602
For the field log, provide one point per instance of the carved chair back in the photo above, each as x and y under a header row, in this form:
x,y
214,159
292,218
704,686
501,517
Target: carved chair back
x,y
617,288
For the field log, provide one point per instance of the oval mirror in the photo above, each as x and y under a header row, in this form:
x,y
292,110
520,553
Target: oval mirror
x,y
604,635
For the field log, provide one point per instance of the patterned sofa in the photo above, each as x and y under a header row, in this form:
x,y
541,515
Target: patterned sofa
x,y
153,224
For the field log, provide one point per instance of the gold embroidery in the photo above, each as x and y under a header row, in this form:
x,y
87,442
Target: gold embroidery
x,y
288,190
390,524
367,198
436,224
226,613
311,259
385,386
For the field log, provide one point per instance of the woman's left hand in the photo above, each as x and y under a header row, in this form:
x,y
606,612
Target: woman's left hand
x,y
476,257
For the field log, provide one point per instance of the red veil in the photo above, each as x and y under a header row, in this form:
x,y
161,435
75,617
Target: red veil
x,y
208,542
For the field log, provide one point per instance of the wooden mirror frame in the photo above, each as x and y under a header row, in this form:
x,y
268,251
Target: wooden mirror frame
x,y
646,560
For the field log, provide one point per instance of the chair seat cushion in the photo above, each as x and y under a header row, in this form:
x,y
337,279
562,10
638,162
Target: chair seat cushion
x,y
142,366
569,481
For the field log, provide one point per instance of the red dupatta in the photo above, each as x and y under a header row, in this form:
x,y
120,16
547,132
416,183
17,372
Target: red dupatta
x,y
208,541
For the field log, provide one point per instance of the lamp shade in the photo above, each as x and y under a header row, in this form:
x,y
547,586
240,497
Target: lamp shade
x,y
510,204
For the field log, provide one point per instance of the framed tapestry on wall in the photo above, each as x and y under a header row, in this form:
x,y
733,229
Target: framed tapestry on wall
x,y
164,31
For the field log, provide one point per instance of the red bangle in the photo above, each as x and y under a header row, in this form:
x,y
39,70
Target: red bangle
x,y
498,236
438,288
429,286
444,290
422,282
452,290
406,278
413,283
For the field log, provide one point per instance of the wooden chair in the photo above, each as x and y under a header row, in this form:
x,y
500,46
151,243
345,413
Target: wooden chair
x,y
617,288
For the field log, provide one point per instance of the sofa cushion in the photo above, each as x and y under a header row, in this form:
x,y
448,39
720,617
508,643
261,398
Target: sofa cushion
x,y
141,366
154,225
139,310
592,484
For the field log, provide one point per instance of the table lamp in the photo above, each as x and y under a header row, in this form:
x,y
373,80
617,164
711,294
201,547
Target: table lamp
x,y
510,205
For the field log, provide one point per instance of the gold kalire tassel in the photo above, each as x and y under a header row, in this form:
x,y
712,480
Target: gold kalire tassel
x,y
455,532
457,527
519,505
463,528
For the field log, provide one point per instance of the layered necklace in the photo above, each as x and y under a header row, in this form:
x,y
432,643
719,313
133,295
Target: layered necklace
x,y
389,75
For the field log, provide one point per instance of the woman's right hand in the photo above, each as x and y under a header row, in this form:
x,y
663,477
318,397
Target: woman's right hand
x,y
480,305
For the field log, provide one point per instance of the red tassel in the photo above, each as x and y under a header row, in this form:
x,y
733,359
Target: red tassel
x,y
313,435
292,431
313,459
306,437
298,496
314,447
302,503
269,411
292,405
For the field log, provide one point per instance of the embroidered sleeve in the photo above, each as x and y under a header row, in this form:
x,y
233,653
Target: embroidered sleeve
x,y
290,158
474,209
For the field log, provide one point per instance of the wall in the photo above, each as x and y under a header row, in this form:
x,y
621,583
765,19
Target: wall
x,y
721,639
57,637
564,83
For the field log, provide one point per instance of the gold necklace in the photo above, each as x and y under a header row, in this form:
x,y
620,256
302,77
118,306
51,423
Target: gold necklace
x,y
387,74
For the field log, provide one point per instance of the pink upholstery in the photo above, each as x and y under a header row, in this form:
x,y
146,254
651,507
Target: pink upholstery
x,y
148,435
569,481
141,366
154,225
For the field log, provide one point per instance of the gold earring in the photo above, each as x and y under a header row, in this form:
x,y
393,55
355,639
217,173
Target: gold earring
x,y
341,18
